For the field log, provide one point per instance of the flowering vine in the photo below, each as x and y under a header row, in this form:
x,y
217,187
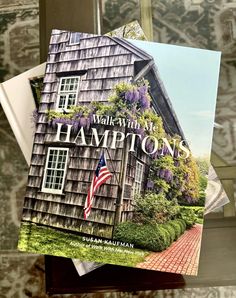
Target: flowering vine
x,y
169,175
127,101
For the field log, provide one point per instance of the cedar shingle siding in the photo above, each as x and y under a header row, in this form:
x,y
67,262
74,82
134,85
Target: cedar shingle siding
x,y
102,62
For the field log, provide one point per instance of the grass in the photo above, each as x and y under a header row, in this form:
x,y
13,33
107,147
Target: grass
x,y
50,241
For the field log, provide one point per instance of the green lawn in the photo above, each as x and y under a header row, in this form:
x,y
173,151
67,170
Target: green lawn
x,y
44,240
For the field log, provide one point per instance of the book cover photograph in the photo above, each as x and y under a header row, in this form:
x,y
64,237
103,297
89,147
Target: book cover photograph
x,y
119,167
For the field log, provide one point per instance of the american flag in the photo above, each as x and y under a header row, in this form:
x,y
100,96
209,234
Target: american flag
x,y
101,175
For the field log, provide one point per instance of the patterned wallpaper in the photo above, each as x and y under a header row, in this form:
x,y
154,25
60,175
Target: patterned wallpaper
x,y
206,24
21,275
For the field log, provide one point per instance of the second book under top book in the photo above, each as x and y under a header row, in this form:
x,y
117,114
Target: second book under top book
x,y
118,171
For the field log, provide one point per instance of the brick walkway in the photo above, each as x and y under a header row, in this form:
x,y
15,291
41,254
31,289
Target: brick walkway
x,y
181,257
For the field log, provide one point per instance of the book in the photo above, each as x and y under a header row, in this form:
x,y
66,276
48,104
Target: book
x,y
18,105
38,72
20,108
28,85
216,196
85,267
113,178
34,78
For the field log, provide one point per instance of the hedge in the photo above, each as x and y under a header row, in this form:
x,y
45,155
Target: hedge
x,y
148,236
170,230
182,224
177,228
198,211
142,236
168,238
188,215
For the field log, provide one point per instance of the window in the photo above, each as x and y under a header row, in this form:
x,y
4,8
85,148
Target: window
x,y
74,38
138,177
55,170
68,92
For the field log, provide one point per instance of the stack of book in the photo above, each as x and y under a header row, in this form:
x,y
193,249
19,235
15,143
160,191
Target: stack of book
x,y
117,134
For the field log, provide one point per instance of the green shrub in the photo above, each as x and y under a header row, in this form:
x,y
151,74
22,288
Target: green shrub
x,y
146,236
200,213
203,182
170,230
155,237
177,228
188,215
155,208
202,199
168,238
182,224
196,210
200,221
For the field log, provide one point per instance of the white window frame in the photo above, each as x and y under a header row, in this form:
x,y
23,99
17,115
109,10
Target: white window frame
x,y
67,93
73,35
52,190
138,178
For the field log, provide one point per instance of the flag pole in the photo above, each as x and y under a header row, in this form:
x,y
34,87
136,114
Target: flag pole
x,y
117,180
118,202
121,183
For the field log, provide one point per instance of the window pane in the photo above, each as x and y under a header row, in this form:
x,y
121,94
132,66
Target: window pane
x,y
138,177
68,92
71,100
55,169
62,101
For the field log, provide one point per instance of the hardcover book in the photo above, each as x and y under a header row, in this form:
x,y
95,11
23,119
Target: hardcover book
x,y
18,104
120,158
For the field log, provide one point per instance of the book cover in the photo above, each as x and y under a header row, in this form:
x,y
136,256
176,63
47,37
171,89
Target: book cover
x,y
17,103
116,176
21,109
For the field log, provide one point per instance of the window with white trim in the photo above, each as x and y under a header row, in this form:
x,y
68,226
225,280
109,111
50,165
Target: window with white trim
x,y
55,170
138,177
68,92
74,38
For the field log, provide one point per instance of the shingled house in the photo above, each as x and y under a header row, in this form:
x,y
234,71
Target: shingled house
x,y
82,68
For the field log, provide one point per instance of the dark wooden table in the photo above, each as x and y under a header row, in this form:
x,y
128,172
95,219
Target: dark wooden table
x,y
217,268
